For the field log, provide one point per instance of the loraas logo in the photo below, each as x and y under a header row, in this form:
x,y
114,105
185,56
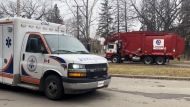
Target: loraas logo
x,y
158,42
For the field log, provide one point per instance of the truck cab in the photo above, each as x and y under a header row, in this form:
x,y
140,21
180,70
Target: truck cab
x,y
42,57
113,51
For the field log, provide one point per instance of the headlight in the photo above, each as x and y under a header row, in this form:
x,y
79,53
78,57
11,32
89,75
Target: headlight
x,y
76,70
78,66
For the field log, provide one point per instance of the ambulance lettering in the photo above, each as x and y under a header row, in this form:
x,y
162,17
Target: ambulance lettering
x,y
91,58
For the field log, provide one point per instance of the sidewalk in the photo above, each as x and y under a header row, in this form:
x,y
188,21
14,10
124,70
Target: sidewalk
x,y
151,77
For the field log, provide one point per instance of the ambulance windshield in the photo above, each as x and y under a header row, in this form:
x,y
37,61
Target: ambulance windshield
x,y
63,44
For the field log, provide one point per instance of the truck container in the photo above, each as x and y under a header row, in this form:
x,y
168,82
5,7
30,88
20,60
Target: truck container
x,y
148,47
39,55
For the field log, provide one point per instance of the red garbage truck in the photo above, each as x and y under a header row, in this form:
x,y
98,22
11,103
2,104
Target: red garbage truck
x,y
148,47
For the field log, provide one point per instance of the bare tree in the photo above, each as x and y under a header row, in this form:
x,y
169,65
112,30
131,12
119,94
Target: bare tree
x,y
86,12
157,15
71,23
124,15
184,20
184,27
127,15
29,8
116,14
34,8
1,14
8,8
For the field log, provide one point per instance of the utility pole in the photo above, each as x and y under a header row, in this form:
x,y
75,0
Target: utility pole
x,y
87,28
118,15
107,25
87,22
125,16
18,8
78,21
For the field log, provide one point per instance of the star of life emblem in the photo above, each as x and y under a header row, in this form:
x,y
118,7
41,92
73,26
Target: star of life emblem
x,y
32,63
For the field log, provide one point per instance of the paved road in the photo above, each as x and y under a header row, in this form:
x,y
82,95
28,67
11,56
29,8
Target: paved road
x,y
122,92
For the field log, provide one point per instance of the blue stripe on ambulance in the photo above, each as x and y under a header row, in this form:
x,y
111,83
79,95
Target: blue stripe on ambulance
x,y
60,60
9,68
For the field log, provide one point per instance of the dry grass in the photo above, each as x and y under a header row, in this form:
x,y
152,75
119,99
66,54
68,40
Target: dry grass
x,y
151,70
182,61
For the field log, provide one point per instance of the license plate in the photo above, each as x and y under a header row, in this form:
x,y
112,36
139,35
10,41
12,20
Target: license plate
x,y
100,83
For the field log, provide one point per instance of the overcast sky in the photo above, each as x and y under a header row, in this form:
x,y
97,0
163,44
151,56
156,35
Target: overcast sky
x,y
66,13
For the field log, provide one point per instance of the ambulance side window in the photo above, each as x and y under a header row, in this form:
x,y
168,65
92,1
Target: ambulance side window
x,y
40,44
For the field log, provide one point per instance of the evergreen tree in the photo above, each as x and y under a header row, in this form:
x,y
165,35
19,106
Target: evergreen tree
x,y
54,15
106,21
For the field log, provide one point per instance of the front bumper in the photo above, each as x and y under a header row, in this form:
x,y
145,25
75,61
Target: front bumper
x,y
108,58
85,83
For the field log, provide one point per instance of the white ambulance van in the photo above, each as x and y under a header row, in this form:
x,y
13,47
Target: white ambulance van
x,y
40,56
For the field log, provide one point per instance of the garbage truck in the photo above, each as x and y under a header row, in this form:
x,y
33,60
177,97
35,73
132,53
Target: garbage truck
x,y
145,46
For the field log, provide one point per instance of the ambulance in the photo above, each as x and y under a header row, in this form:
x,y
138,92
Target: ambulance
x,y
39,55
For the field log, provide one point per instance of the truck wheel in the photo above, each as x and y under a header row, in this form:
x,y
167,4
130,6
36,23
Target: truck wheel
x,y
160,60
53,88
115,59
148,60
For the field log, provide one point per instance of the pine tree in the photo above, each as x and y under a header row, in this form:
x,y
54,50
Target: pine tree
x,y
54,15
106,21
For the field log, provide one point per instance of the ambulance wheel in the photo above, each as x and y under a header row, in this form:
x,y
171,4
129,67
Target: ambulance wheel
x,y
148,60
160,60
115,59
53,88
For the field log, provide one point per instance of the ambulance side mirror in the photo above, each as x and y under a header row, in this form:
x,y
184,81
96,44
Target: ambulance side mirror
x,y
34,44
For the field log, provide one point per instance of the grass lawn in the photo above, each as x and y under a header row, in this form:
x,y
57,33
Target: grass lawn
x,y
182,61
151,70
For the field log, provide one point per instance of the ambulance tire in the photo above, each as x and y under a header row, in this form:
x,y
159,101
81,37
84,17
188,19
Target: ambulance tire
x,y
53,88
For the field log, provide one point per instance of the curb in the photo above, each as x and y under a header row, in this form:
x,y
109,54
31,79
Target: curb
x,y
151,77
